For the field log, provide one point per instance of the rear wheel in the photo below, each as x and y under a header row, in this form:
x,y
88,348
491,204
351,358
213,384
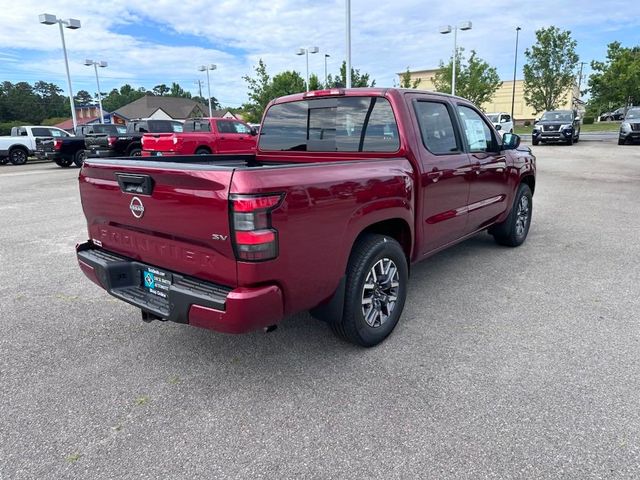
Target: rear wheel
x,y
64,162
202,151
135,152
18,156
79,158
376,288
513,231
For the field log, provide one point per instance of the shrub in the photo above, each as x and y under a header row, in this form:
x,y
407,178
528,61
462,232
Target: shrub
x,y
5,127
588,120
527,123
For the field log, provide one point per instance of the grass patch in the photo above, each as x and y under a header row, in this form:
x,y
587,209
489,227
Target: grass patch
x,y
73,458
142,400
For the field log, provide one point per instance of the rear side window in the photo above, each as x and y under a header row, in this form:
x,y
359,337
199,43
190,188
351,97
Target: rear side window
x,y
346,124
197,126
436,127
41,132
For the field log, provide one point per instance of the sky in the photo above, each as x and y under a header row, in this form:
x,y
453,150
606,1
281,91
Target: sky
x,y
148,42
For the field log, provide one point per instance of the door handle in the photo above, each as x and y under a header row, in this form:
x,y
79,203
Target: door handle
x,y
222,137
434,175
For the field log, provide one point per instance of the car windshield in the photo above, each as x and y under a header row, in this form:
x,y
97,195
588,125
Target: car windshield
x,y
558,116
493,118
633,113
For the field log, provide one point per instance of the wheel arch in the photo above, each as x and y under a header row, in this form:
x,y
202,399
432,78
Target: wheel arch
x,y
529,180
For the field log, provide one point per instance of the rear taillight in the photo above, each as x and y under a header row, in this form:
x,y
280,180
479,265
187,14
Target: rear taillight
x,y
111,141
254,238
57,144
142,141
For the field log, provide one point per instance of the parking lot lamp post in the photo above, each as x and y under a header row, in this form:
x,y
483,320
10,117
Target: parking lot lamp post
x,y
101,64
72,24
448,29
306,52
515,67
205,68
348,41
326,55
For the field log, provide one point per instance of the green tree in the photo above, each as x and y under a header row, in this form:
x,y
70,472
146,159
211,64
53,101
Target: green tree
x,y
314,82
476,80
161,90
550,68
119,98
616,81
405,80
357,79
286,83
215,104
83,98
177,91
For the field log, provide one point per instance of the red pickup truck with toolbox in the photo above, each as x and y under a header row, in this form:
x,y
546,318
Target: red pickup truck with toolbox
x,y
202,136
347,188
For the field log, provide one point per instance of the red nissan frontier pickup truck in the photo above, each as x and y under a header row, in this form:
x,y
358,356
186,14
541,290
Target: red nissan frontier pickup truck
x,y
202,136
347,188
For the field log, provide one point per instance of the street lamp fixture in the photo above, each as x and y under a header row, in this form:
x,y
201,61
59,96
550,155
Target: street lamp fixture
x,y
206,68
515,67
448,29
326,55
306,52
71,24
101,64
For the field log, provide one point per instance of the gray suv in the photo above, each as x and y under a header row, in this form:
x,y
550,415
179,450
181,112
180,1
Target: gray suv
x,y
557,126
630,127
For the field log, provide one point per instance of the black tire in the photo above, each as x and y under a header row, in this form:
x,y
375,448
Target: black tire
x,y
79,158
570,140
202,151
64,162
135,152
18,156
4,160
622,141
513,231
534,142
373,253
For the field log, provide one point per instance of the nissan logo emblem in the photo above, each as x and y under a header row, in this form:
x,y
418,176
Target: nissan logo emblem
x,y
136,207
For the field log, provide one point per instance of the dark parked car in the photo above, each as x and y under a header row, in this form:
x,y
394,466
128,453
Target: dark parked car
x,y
557,126
66,151
346,189
128,144
630,127
617,114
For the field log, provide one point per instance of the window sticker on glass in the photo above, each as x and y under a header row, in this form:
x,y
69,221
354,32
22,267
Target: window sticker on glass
x,y
475,134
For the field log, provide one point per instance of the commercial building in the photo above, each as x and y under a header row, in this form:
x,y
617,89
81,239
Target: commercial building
x,y
501,101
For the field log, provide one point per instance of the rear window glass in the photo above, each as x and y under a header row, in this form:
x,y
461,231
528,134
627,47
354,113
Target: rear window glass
x,y
159,126
346,124
197,126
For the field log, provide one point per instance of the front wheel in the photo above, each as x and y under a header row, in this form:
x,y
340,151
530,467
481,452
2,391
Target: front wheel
x,y
376,289
513,231
570,140
202,151
621,141
18,156
535,142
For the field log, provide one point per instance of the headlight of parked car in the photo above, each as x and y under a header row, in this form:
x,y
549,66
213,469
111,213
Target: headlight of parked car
x,y
625,127
565,127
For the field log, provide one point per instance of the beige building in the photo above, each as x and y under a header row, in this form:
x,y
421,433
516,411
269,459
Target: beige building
x,y
501,101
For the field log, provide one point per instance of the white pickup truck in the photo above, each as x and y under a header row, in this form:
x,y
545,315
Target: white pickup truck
x,y
18,146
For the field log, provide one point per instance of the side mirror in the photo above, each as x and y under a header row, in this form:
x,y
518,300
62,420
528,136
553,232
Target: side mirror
x,y
498,127
536,122
254,131
510,141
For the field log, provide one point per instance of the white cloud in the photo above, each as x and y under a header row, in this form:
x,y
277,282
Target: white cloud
x,y
386,37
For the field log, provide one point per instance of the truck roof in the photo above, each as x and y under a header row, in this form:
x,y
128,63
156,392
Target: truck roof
x,y
355,92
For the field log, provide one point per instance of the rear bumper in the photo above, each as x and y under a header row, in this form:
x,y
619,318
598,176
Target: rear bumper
x,y
101,153
188,300
156,153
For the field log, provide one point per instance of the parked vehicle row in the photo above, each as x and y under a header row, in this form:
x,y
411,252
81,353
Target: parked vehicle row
x,y
22,143
347,187
557,126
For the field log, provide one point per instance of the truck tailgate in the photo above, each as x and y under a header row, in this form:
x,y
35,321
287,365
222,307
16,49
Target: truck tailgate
x,y
159,142
162,216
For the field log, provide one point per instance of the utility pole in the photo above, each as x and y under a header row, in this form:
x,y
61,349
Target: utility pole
x,y
582,64
515,69
199,82
348,42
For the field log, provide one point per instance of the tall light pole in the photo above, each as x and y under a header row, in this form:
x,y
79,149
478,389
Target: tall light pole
x,y
515,68
348,40
101,64
206,68
326,55
448,29
73,24
306,52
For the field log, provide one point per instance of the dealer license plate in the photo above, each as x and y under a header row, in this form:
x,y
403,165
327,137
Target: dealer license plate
x,y
156,282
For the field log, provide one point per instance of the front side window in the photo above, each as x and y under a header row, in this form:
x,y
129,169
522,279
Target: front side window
x,y
225,126
477,133
345,124
436,127
239,127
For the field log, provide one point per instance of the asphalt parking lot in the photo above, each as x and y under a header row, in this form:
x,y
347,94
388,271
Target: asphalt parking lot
x,y
507,363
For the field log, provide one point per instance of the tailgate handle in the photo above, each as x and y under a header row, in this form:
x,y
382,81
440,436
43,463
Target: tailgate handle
x,y
142,184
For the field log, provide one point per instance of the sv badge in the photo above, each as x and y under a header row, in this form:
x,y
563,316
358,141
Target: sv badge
x,y
217,236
